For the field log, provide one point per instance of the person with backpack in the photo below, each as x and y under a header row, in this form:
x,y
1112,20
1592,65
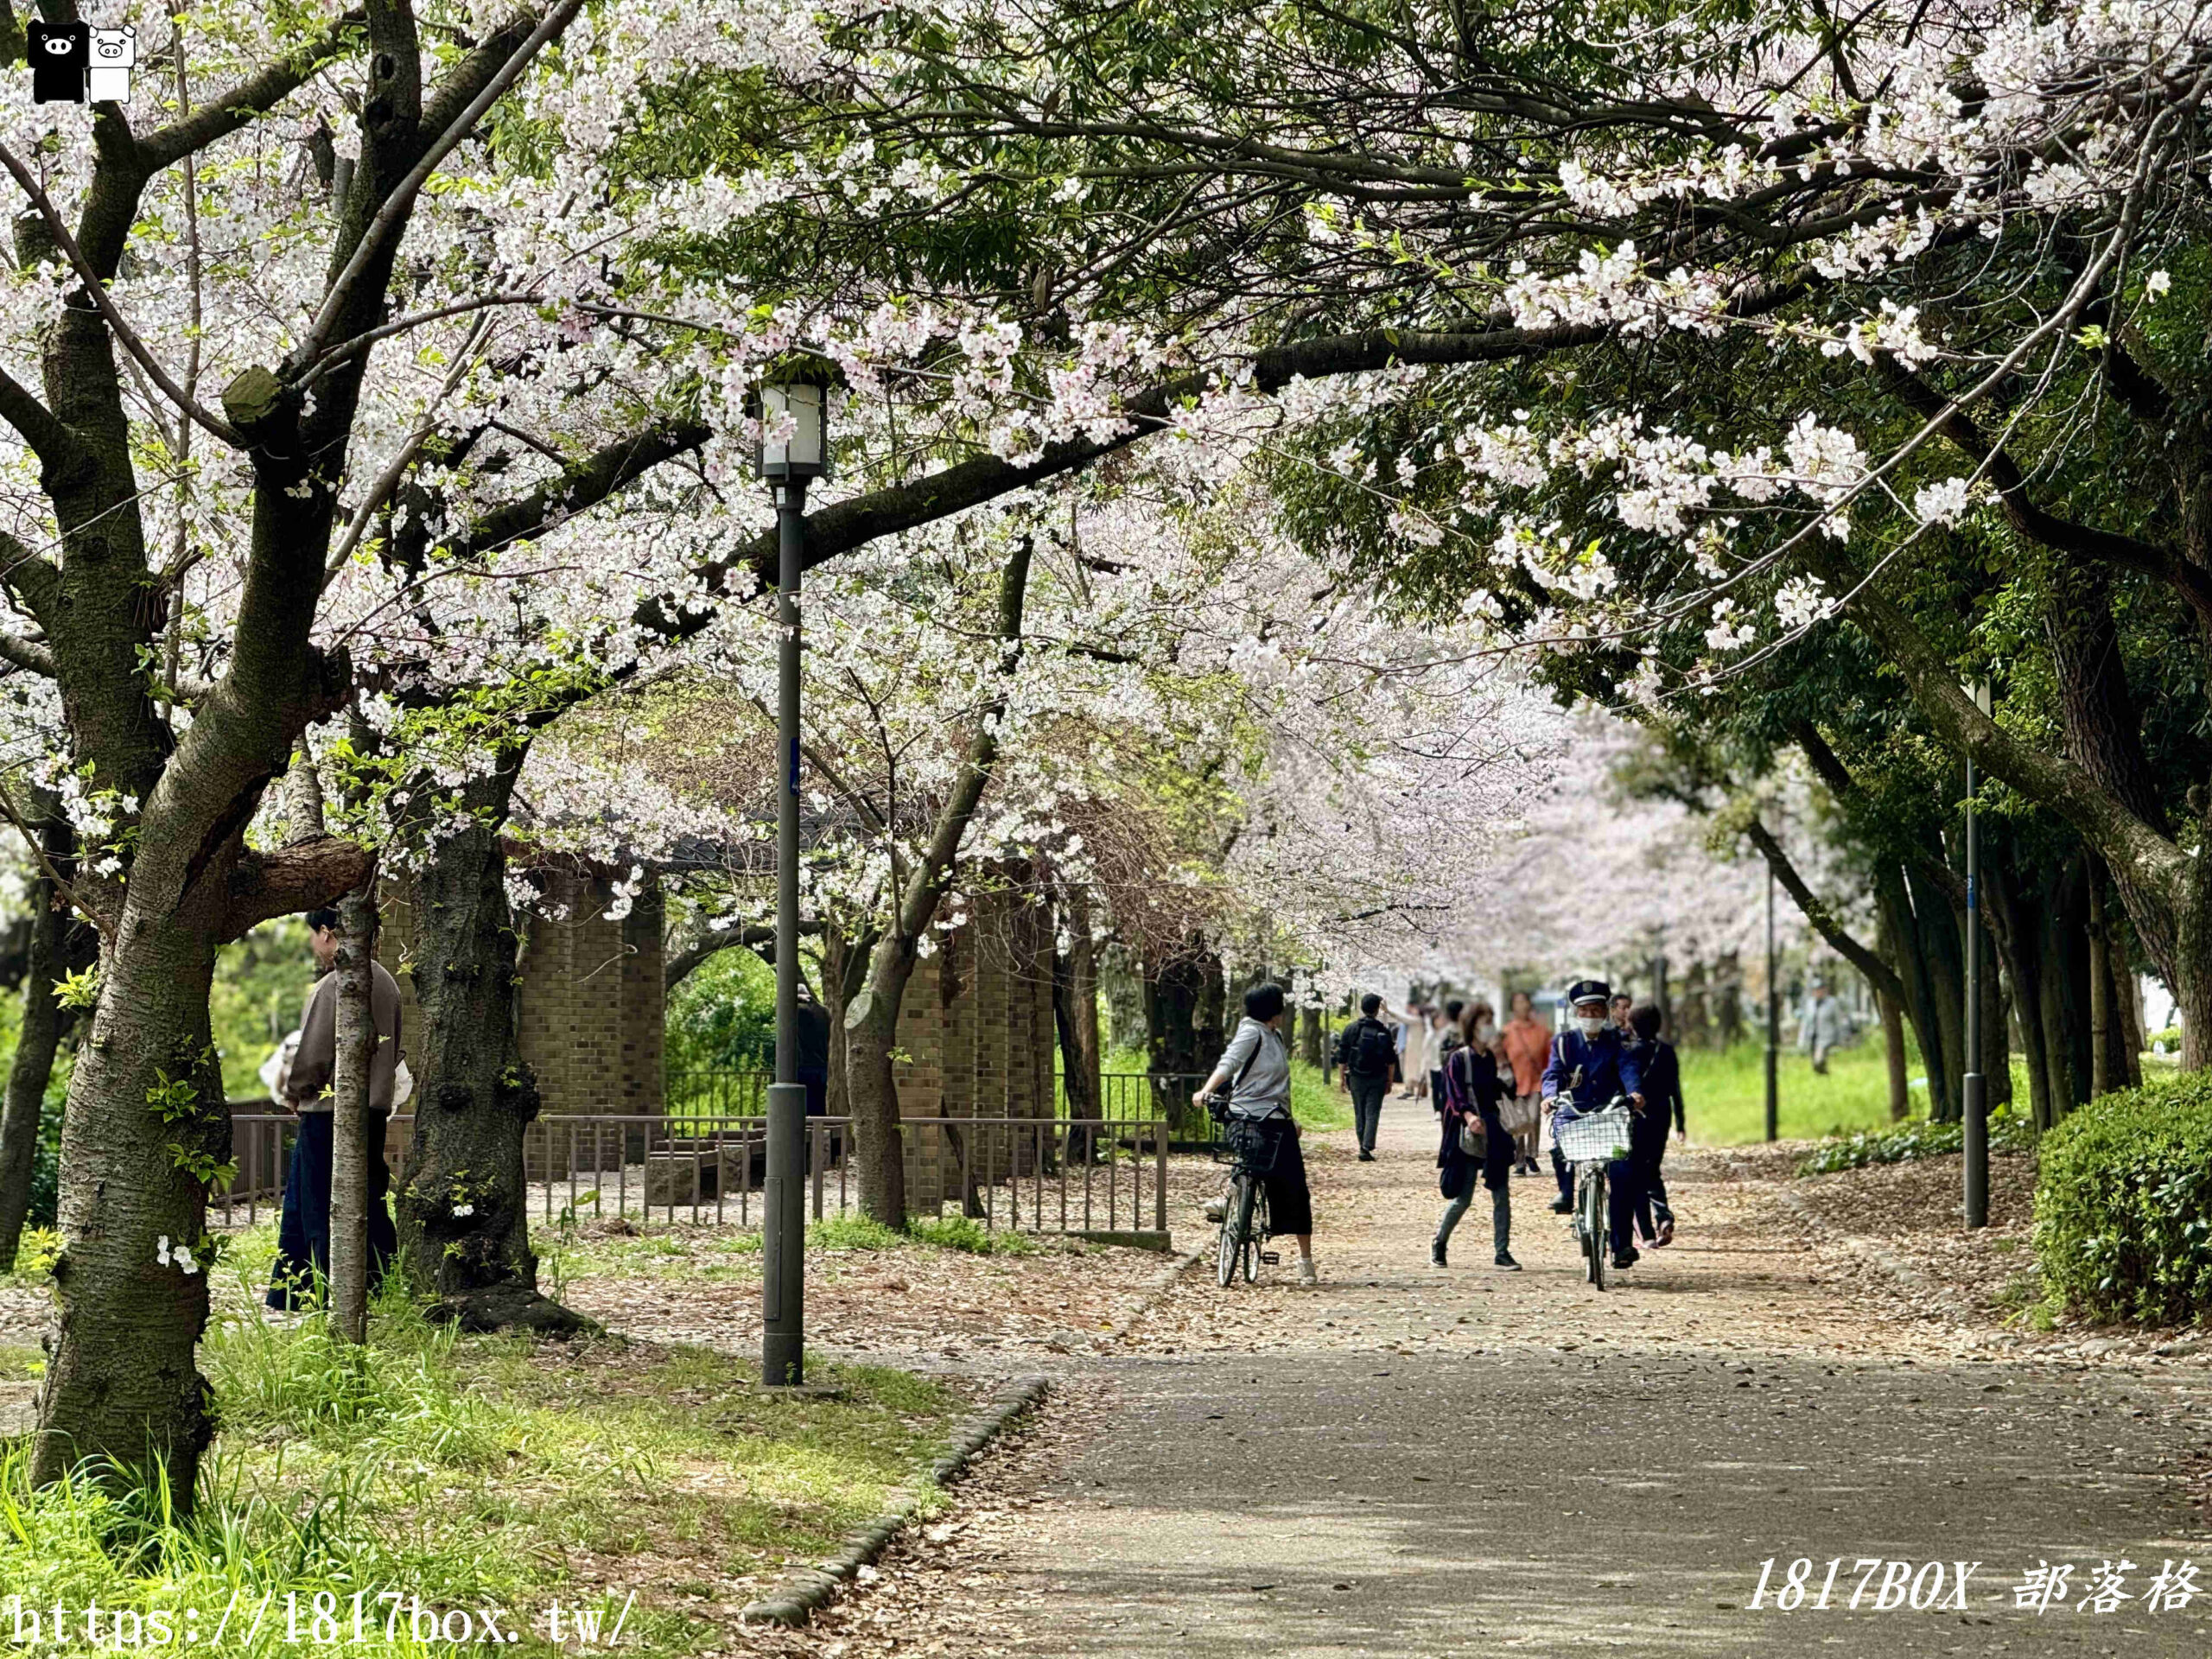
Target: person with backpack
x,y
1368,1051
1662,1095
1476,1145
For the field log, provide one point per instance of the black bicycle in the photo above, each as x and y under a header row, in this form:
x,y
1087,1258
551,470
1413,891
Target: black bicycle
x,y
1248,1146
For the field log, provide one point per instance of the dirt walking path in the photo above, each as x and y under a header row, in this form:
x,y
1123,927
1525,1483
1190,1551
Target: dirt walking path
x,y
1410,1461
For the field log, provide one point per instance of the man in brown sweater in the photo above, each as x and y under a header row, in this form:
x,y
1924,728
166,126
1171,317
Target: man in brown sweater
x,y
304,1233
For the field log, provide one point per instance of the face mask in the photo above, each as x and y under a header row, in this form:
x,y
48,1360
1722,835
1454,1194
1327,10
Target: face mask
x,y
1589,1024
1484,1032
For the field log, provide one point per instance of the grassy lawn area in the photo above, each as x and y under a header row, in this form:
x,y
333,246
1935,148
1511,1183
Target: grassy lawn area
x,y
480,1472
1725,1092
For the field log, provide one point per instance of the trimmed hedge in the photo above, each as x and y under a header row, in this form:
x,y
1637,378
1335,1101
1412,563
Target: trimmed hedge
x,y
2123,1204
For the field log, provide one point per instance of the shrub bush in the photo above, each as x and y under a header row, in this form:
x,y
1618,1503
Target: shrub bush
x,y
1918,1139
2123,1204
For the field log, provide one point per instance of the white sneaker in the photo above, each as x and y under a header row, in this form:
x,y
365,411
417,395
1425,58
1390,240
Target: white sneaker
x,y
1306,1274
1217,1209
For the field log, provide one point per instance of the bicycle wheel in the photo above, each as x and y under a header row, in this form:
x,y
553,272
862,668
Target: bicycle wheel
x,y
1255,1231
1232,1232
1248,1197
1593,1198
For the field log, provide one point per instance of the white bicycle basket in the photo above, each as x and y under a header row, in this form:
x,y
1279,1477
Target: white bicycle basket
x,y
1595,1138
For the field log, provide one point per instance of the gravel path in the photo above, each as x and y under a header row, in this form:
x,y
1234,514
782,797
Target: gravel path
x,y
1411,1461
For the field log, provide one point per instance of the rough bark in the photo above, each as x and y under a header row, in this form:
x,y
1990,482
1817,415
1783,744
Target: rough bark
x,y
56,945
1937,930
2102,1050
1171,993
1728,1002
349,1111
1208,1022
872,1020
462,1213
1893,1042
1122,977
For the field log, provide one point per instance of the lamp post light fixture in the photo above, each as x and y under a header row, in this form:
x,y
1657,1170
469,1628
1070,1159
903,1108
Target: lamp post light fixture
x,y
794,410
1973,1100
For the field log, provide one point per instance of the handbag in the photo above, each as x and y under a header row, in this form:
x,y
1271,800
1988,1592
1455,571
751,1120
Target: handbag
x,y
1474,1133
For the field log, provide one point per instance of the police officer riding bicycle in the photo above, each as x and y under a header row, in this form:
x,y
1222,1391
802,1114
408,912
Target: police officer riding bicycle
x,y
1589,1068
1255,1067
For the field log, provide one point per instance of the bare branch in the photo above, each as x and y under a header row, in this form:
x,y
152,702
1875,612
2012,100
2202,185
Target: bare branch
x,y
98,292
392,215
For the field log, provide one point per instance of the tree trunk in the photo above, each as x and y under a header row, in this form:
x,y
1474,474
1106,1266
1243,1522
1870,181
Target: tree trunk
x,y
349,1113
144,1130
2101,1046
55,944
462,1213
872,1022
1082,992
1077,1077
2133,1039
1693,1021
1171,993
844,971
2020,950
871,1039
1209,1025
1122,979
1728,1001
1893,1041
1935,928
1309,1036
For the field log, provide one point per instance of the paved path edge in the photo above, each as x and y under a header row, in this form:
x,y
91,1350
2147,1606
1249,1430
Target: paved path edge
x,y
794,1599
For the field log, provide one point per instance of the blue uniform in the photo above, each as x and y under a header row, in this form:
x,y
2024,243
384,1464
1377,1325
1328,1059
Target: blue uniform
x,y
1583,1075
1590,1071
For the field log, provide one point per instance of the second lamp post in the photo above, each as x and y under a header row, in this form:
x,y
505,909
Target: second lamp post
x,y
794,449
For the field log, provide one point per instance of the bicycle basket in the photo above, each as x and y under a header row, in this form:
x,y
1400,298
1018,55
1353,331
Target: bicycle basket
x,y
1596,1138
1253,1143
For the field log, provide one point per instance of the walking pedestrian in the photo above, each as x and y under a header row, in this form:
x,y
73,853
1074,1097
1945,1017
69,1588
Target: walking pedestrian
x,y
1527,1043
1617,1011
1255,1069
1367,1049
303,1228
1476,1146
1661,1076
1439,1027
1824,1027
1413,1052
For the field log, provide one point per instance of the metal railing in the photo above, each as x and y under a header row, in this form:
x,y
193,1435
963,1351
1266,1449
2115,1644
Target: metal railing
x,y
1124,1097
717,1093
1025,1174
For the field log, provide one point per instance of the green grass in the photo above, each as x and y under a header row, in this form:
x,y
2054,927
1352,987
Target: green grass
x,y
1316,1104
1725,1092
480,1470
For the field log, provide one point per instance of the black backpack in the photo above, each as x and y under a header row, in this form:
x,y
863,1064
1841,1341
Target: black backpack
x,y
1373,1049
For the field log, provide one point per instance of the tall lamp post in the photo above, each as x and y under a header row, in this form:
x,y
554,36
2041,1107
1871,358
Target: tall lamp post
x,y
794,448
1773,1024
1974,1101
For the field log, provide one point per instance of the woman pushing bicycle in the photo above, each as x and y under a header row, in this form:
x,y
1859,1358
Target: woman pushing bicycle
x,y
1255,1069
1589,1068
